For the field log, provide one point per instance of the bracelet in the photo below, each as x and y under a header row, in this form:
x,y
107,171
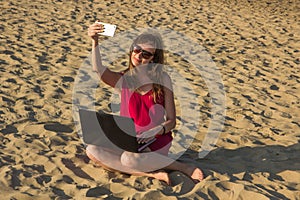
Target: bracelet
x,y
164,129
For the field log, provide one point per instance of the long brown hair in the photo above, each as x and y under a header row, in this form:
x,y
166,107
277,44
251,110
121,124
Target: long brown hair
x,y
154,69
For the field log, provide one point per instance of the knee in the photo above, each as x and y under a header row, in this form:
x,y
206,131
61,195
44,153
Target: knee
x,y
130,160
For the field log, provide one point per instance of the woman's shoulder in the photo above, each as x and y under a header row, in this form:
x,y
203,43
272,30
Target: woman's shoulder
x,y
166,79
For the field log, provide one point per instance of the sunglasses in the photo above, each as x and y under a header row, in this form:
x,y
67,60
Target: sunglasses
x,y
145,54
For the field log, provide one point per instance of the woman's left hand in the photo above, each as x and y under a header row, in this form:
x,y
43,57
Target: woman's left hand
x,y
148,135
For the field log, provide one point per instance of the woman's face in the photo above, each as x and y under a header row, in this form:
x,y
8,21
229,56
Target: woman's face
x,y
142,54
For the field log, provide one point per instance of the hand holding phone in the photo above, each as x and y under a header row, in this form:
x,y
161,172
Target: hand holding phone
x,y
109,29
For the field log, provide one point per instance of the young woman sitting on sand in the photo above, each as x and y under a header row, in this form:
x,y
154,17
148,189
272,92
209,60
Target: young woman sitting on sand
x,y
151,105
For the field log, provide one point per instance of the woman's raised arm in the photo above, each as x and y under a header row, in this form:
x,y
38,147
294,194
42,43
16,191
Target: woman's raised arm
x,y
106,75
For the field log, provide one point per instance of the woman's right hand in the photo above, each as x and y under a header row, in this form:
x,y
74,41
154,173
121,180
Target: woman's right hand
x,y
94,29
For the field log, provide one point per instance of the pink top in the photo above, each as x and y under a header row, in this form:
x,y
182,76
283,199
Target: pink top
x,y
146,115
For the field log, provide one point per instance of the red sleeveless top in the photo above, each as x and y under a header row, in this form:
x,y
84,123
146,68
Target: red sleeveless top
x,y
146,115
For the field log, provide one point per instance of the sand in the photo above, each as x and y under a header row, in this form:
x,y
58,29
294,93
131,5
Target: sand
x,y
255,46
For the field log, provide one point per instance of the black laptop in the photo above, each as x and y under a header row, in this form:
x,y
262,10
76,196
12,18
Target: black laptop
x,y
110,131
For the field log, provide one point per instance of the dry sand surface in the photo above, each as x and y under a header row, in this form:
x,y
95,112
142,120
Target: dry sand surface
x,y
254,44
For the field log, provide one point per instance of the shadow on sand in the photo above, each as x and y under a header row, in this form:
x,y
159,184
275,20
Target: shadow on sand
x,y
268,159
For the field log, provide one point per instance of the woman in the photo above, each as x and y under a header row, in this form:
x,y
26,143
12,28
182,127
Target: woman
x,y
147,97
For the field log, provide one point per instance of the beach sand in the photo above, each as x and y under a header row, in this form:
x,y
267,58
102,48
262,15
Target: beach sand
x,y
255,46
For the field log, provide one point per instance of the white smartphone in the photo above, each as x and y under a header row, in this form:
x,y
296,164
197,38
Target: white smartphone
x,y
109,29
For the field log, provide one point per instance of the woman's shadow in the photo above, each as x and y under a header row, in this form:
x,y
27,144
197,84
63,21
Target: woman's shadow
x,y
271,159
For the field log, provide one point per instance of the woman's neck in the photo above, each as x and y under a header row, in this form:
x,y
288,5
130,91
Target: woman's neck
x,y
144,88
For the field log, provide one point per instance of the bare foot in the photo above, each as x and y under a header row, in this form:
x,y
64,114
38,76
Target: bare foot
x,y
195,173
162,176
98,163
92,158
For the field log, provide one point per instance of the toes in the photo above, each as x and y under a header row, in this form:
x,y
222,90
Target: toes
x,y
197,175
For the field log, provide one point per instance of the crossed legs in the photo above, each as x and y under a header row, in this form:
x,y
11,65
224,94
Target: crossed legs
x,y
143,164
